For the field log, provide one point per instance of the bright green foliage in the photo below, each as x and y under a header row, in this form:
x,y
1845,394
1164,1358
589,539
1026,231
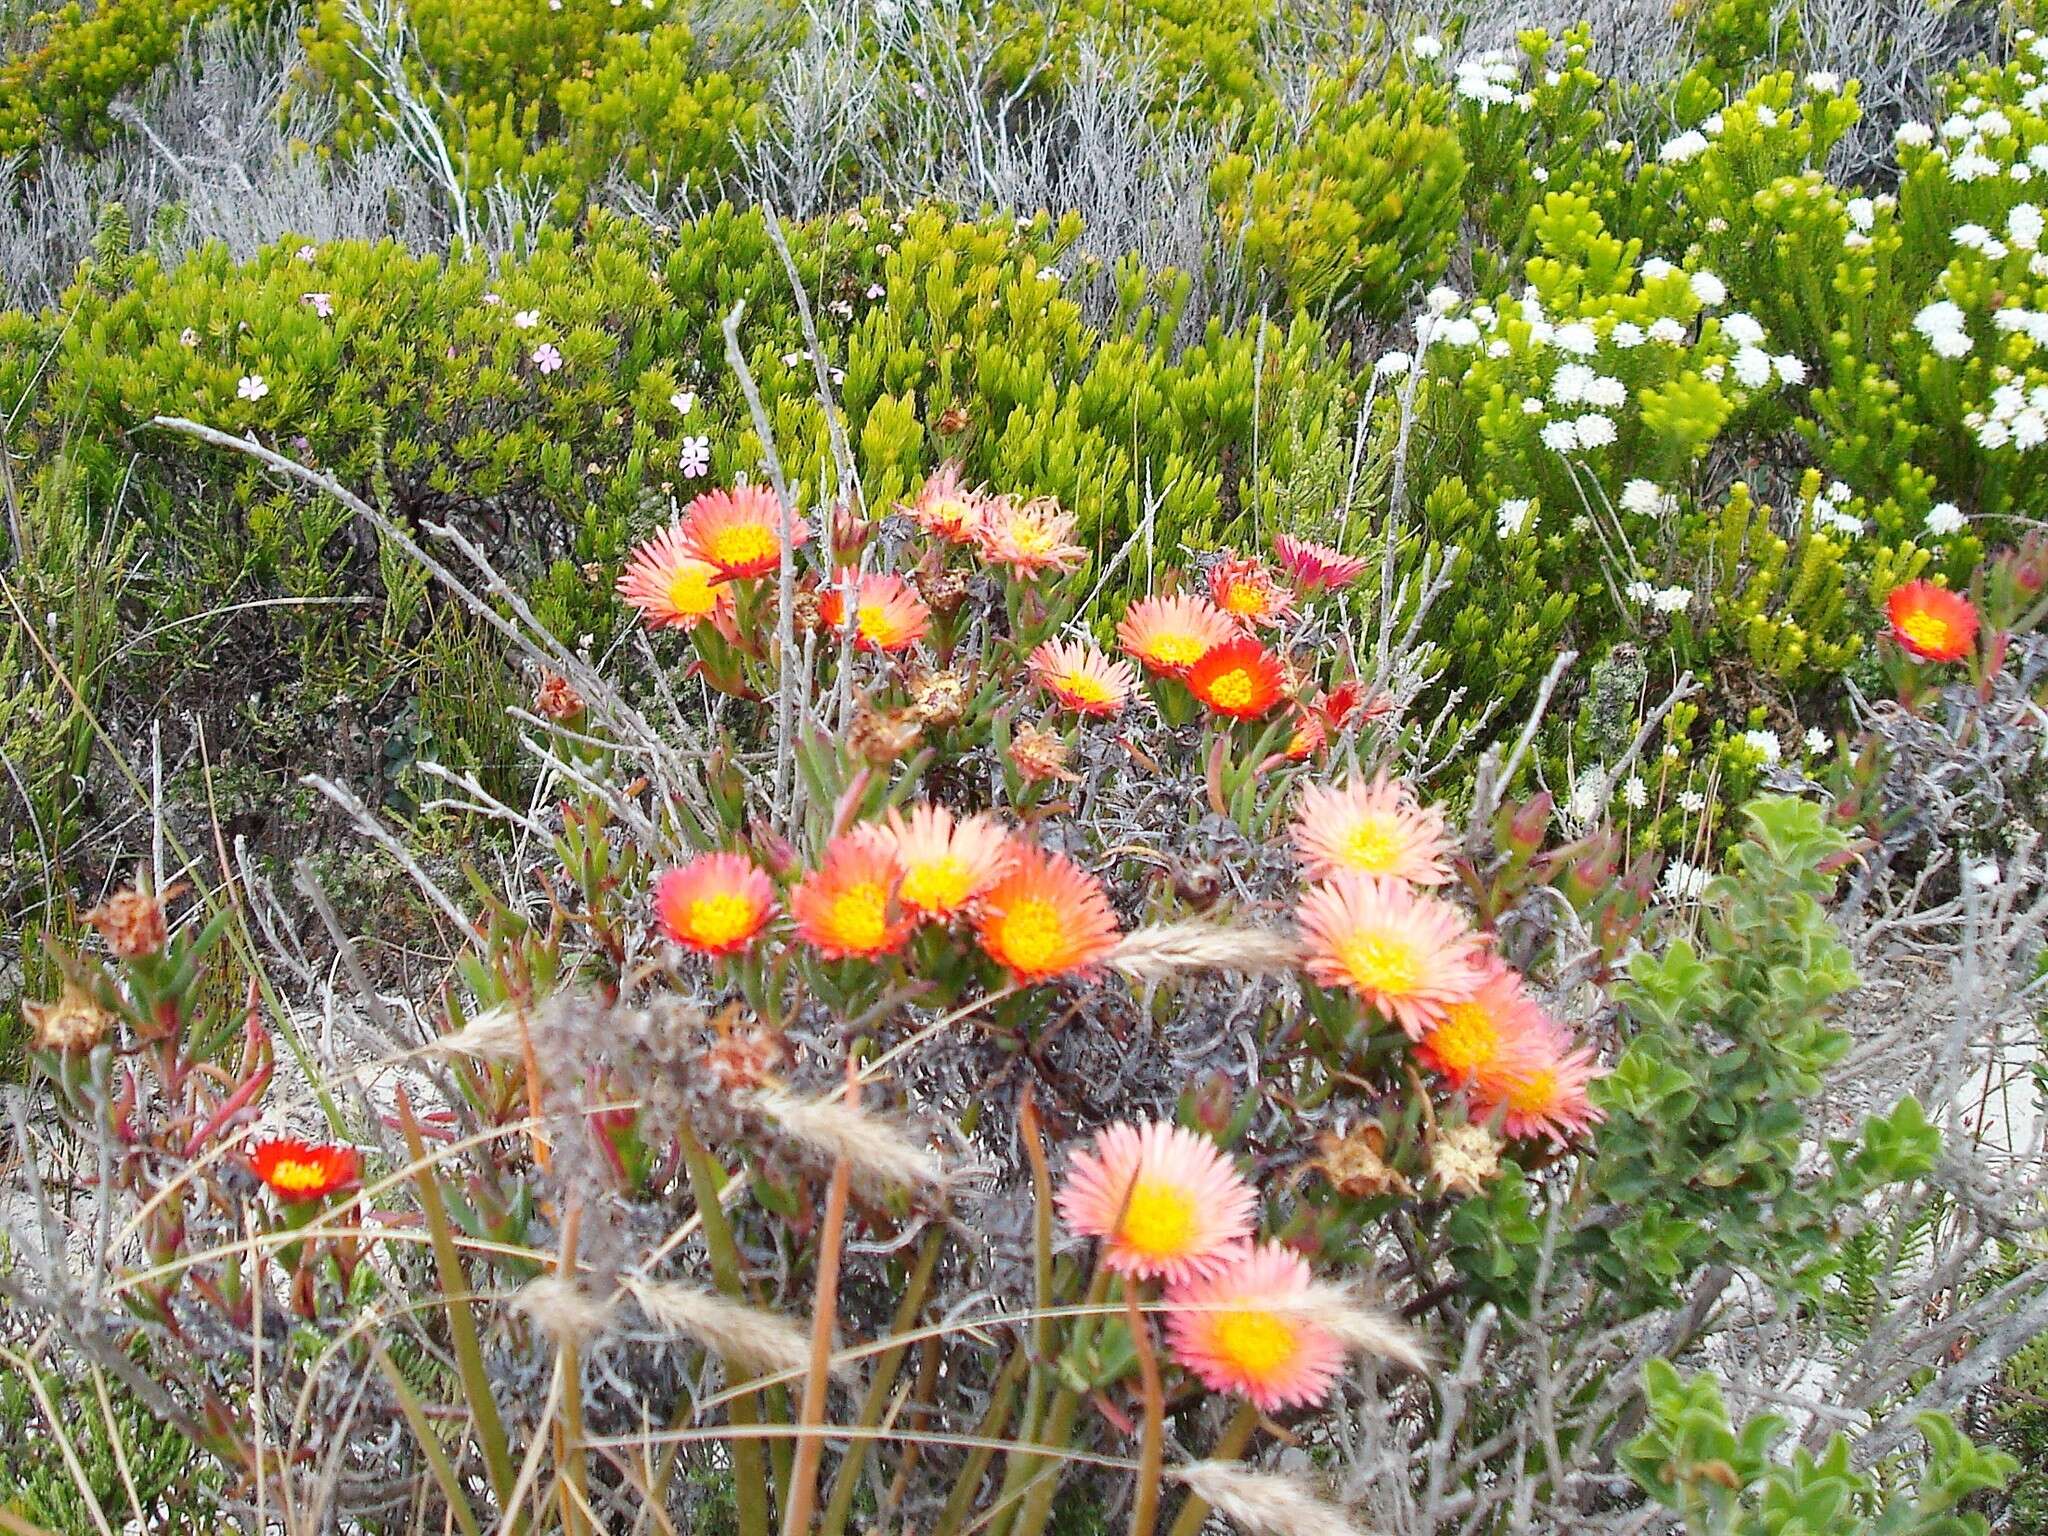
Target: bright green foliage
x,y
1707,1103
1203,53
560,97
171,1480
1723,1480
1358,205
91,55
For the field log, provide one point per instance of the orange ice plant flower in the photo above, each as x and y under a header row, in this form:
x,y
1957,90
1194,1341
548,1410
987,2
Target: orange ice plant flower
x,y
1407,955
739,532
1028,536
1165,1201
1932,622
671,587
1483,1042
945,508
1246,591
946,862
1317,567
1082,678
714,905
1374,828
848,908
1242,1330
1046,917
887,614
302,1170
1542,1090
1168,635
1240,678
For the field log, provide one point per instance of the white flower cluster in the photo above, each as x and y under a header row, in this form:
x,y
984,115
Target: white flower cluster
x,y
1646,498
1682,881
1488,78
1660,599
1828,510
1945,518
1765,744
2018,418
1945,328
1513,516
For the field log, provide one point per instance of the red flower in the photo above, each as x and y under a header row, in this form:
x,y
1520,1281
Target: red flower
x,y
1241,679
1932,622
300,1170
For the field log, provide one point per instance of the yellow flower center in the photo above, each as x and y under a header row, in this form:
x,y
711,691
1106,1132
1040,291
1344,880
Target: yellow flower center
x,y
740,545
1927,631
951,515
1029,536
690,591
1235,689
1466,1040
1381,962
1244,597
1178,648
294,1177
1373,845
1159,1219
715,921
1256,1342
939,886
1533,1092
1033,938
860,917
875,626
1083,688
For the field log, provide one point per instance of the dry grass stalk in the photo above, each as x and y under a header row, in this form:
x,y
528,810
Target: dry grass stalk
x,y
750,1340
565,1310
1165,950
879,1154
493,1035
1263,1503
1364,1328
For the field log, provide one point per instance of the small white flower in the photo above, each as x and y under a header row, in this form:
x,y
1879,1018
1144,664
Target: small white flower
x,y
2023,225
1692,802
1532,407
1441,299
1051,275
684,400
1560,436
1743,329
1790,369
1426,47
1640,592
1994,434
1513,517
1994,124
1958,125
188,337
1635,793
1607,392
1655,268
1713,124
1594,430
1913,135
1643,497
1816,740
1984,875
1752,367
251,387
1588,798
1971,237
1824,82
1672,599
1714,373
1626,334
1392,365
1862,212
1709,289
1942,324
1539,174
1765,744
1498,347
526,319
1944,518
1461,332
1668,331
1569,384
2029,429
695,458
1577,338
1682,881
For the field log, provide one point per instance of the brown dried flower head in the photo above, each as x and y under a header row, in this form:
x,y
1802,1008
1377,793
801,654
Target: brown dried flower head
x,y
953,419
558,700
1464,1159
1040,754
943,590
803,610
884,736
74,1023
1355,1163
743,1059
132,920
939,698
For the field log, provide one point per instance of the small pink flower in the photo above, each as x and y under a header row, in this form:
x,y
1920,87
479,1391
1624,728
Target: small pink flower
x,y
547,357
322,303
